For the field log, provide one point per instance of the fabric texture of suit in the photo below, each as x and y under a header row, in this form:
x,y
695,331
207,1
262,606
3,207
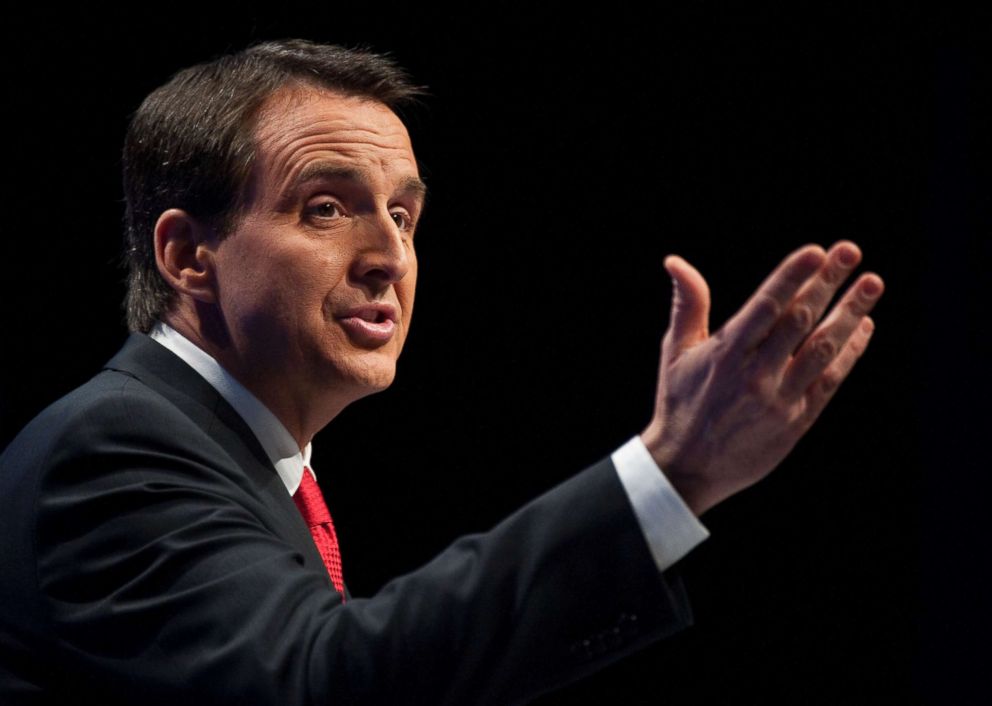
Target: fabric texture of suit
x,y
152,554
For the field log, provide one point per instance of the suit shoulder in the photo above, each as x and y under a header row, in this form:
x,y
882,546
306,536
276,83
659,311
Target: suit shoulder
x,y
111,408
110,396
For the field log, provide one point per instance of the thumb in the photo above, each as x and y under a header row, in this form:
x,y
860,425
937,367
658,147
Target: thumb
x,y
689,322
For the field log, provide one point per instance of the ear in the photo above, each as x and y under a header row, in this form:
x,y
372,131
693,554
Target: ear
x,y
184,253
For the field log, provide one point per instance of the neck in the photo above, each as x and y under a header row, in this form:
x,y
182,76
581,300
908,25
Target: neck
x,y
303,412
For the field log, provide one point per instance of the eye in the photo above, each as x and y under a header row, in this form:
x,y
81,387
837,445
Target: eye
x,y
402,220
325,210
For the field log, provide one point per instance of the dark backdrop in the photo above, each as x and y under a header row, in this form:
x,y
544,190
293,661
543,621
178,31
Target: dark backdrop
x,y
566,158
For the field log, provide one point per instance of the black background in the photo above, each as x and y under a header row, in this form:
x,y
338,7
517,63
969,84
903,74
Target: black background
x,y
566,156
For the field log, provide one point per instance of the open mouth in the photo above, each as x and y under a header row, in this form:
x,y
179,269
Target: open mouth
x,y
371,325
373,317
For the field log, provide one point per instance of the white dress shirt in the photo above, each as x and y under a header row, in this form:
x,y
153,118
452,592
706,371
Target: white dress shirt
x,y
670,528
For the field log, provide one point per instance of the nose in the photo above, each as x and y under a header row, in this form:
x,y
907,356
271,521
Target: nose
x,y
384,254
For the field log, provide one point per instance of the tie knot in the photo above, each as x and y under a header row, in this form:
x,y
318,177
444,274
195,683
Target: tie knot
x,y
310,501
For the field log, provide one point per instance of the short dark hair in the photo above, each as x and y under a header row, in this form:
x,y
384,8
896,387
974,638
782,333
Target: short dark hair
x,y
191,143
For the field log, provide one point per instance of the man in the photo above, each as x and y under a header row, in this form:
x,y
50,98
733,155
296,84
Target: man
x,y
159,519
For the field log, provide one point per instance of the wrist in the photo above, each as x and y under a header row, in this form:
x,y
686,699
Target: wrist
x,y
692,487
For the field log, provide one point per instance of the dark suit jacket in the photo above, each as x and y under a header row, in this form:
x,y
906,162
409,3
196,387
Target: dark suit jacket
x,y
151,554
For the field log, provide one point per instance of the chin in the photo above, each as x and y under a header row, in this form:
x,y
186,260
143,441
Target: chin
x,y
369,377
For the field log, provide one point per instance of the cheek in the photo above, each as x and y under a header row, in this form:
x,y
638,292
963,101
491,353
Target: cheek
x,y
264,290
406,297
256,285
304,278
324,284
406,289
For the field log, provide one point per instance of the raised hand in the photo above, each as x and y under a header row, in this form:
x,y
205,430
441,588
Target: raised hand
x,y
732,405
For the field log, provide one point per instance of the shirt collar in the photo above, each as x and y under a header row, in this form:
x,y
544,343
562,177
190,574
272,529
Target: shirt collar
x,y
276,441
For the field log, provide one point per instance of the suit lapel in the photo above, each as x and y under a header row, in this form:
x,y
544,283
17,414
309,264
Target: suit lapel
x,y
166,373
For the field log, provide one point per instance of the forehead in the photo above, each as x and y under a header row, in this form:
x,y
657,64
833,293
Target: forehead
x,y
298,128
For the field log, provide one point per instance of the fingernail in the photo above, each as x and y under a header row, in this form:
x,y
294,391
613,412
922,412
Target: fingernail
x,y
848,257
871,288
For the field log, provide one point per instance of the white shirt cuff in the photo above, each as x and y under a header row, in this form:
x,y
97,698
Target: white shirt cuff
x,y
669,526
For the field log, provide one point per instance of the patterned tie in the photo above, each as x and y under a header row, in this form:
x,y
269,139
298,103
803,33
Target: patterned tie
x,y
310,501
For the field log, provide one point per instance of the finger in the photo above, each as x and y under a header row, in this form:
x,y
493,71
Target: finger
x,y
752,324
830,338
824,388
689,322
808,306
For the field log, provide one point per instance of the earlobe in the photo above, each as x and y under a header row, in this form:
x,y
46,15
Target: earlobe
x,y
184,255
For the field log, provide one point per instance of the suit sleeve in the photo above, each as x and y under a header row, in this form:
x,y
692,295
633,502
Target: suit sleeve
x,y
161,579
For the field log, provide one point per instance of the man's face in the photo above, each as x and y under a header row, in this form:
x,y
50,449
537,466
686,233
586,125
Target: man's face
x,y
316,283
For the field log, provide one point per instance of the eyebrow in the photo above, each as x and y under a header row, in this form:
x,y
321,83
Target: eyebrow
x,y
320,171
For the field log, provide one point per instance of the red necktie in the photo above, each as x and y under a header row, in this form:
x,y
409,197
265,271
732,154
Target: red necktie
x,y
310,501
